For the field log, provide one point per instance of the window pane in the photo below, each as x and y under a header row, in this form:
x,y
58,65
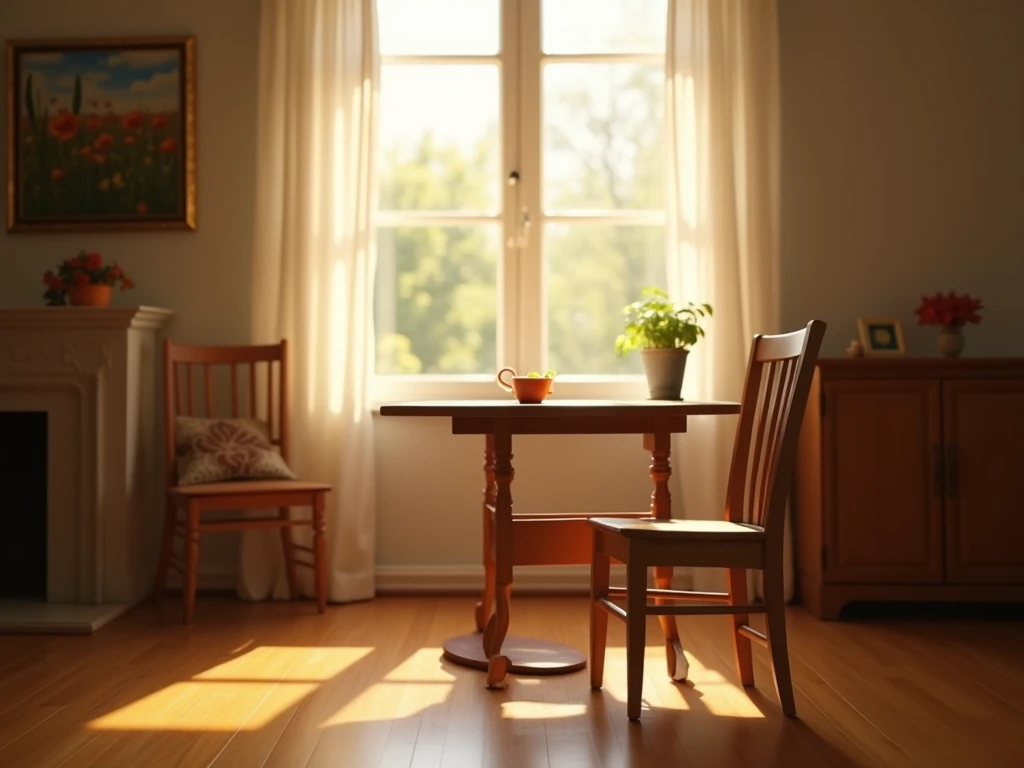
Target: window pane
x,y
452,27
436,299
593,271
603,136
439,145
605,26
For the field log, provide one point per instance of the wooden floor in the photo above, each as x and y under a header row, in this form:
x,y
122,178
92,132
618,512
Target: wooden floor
x,y
364,685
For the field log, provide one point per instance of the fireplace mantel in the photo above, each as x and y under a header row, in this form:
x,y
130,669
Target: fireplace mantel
x,y
93,371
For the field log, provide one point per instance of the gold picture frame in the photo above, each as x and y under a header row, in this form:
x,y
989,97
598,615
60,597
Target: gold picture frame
x,y
882,336
101,134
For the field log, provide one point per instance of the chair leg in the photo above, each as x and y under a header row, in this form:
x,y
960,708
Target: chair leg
x,y
636,633
288,548
741,644
191,559
166,551
320,552
600,575
775,604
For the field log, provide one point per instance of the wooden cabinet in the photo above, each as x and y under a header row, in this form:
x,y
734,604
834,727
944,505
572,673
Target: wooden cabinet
x,y
906,484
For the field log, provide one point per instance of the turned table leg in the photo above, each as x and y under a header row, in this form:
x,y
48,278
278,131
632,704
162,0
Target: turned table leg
x,y
486,604
660,447
497,627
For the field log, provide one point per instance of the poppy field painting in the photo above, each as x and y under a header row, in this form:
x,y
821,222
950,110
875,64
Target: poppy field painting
x,y
101,134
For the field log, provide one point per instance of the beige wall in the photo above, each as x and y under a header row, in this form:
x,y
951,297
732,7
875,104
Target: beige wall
x,y
903,172
203,276
903,163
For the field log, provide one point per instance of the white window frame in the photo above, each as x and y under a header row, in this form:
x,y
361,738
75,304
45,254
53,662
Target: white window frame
x,y
522,341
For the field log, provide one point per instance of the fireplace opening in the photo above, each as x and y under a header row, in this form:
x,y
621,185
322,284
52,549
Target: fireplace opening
x,y
23,504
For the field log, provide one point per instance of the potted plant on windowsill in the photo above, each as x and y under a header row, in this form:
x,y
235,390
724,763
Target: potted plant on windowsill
x,y
663,332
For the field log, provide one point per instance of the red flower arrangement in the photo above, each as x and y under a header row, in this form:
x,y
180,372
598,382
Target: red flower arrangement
x,y
83,269
948,309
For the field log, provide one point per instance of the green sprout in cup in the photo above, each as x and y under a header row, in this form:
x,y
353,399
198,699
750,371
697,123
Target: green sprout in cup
x,y
547,375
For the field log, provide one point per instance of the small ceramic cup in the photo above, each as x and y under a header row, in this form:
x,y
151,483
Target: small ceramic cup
x,y
528,391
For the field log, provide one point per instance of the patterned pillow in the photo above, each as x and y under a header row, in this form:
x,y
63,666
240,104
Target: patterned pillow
x,y
215,450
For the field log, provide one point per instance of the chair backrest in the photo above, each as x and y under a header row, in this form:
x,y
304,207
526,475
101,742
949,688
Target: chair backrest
x,y
241,371
774,399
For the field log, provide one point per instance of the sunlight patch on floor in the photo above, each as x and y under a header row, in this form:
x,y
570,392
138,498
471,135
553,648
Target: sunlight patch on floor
x,y
287,662
706,689
202,706
220,698
539,710
423,665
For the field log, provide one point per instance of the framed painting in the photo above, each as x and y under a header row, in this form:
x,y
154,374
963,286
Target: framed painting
x,y
882,336
101,134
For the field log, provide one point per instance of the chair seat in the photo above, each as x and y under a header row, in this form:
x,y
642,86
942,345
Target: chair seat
x,y
247,487
691,530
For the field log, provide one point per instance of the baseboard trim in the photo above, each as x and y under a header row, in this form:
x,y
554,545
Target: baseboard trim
x,y
461,579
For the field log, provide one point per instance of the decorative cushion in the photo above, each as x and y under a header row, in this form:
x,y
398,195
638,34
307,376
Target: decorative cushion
x,y
215,450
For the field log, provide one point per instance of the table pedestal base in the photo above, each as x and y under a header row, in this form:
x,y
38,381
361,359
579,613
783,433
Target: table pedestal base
x,y
526,655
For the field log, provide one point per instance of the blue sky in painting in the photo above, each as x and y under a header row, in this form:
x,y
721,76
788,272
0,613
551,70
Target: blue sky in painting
x,y
127,79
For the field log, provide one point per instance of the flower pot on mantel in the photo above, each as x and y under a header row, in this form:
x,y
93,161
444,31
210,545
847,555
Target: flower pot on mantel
x,y
95,295
664,369
951,341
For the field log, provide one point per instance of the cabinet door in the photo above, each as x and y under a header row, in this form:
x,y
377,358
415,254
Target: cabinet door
x,y
883,498
984,429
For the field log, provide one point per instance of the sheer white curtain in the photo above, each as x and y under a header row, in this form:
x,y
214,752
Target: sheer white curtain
x,y
723,141
313,266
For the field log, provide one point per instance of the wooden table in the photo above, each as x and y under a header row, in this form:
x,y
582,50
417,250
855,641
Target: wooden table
x,y
532,539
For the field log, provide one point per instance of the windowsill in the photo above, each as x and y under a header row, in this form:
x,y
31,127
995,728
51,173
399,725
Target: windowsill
x,y
401,389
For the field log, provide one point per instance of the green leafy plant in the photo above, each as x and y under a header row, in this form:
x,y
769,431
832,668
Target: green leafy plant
x,y
656,322
547,375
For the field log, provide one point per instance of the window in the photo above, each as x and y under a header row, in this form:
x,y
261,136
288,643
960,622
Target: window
x,y
521,183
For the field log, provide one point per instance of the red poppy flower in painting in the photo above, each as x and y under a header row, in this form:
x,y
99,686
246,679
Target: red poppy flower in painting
x,y
129,139
93,124
57,174
103,142
159,121
141,208
85,151
63,127
168,145
132,121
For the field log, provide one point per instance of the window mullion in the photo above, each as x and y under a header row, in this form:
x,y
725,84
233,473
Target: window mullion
x,y
509,277
532,307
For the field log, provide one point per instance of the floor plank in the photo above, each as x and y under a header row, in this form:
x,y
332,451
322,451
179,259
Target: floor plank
x,y
276,685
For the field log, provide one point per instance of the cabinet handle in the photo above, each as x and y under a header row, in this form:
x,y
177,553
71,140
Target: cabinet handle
x,y
953,468
937,469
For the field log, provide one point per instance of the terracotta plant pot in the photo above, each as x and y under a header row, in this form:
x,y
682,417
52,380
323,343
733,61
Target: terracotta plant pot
x,y
664,369
951,341
97,295
528,390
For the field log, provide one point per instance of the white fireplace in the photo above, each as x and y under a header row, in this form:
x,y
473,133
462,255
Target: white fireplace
x,y
93,372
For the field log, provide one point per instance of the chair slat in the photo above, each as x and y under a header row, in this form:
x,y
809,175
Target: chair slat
x,y
211,407
270,400
190,392
252,390
234,390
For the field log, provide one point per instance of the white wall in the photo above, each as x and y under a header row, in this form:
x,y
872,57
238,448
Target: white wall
x,y
903,172
903,164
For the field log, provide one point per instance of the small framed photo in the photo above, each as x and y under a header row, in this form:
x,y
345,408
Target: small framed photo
x,y
882,336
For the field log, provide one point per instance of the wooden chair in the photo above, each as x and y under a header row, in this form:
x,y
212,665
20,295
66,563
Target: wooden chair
x,y
775,395
244,365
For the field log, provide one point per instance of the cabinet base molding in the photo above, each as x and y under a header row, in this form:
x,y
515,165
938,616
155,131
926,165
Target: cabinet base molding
x,y
825,601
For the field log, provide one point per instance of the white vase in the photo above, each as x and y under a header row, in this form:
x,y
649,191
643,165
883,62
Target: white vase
x,y
951,341
664,369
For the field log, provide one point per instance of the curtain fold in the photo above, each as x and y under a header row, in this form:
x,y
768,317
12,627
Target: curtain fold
x,y
312,271
722,108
